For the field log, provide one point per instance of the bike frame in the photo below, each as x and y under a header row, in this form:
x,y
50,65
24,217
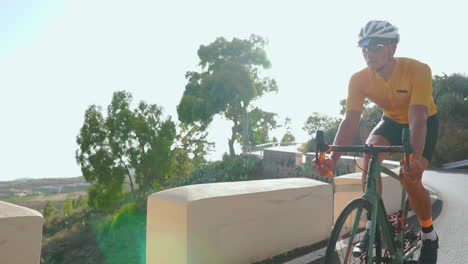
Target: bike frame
x,y
395,244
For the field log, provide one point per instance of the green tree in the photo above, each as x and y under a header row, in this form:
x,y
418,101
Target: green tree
x,y
79,202
318,121
288,136
451,95
192,138
260,124
49,209
111,147
67,206
182,166
229,81
189,152
151,156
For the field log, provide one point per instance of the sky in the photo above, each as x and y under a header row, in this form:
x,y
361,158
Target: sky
x,y
59,57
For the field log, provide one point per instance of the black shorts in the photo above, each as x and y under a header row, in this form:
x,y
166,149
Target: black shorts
x,y
391,131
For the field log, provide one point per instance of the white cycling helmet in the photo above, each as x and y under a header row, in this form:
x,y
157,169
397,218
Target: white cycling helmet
x,y
378,31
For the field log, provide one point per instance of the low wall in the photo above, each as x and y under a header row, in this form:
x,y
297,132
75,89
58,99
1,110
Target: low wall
x,y
236,222
348,187
247,222
20,234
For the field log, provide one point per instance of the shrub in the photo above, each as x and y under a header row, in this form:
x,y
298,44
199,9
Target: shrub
x,y
122,238
239,168
49,209
129,214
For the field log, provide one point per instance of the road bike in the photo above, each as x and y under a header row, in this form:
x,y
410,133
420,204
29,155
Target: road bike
x,y
392,238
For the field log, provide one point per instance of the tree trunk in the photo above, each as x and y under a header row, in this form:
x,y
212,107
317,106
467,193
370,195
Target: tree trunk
x,y
245,131
231,141
130,178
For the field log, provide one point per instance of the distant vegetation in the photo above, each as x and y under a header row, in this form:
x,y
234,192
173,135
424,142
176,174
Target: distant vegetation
x,y
34,193
451,93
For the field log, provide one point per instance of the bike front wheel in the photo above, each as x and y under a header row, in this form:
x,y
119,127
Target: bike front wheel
x,y
342,242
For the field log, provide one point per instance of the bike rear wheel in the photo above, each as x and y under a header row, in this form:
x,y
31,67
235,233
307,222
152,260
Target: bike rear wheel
x,y
341,243
412,231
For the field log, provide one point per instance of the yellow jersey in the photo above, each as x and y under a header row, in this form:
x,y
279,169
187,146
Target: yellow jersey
x,y
409,84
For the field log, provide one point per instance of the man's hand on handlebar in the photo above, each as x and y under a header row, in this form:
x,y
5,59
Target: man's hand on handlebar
x,y
325,168
324,165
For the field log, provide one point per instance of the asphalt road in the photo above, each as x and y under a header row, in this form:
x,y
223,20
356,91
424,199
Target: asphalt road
x,y
451,225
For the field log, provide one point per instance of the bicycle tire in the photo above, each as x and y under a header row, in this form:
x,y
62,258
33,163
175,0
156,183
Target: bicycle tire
x,y
340,236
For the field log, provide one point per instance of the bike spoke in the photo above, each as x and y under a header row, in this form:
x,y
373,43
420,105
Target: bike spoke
x,y
352,231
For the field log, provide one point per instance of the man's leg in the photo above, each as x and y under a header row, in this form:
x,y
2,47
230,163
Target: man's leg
x,y
419,198
420,201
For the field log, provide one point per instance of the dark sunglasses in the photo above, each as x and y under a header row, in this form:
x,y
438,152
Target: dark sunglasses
x,y
373,48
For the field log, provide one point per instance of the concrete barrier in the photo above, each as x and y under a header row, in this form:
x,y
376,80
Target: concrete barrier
x,y
348,187
236,222
20,234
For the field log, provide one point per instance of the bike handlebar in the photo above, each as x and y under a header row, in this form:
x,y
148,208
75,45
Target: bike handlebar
x,y
321,148
369,149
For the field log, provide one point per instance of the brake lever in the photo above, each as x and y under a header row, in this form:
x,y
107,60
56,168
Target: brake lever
x,y
321,148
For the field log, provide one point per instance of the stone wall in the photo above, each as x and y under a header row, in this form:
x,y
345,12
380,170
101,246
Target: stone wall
x,y
20,234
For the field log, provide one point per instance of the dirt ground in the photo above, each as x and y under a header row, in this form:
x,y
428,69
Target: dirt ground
x,y
58,197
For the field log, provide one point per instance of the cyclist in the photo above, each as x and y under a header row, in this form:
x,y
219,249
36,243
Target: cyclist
x,y
402,88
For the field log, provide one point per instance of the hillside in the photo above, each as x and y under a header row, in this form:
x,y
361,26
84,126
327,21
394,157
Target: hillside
x,y
34,193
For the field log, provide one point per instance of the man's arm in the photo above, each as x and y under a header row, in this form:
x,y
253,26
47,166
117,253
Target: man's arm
x,y
346,131
349,125
418,115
